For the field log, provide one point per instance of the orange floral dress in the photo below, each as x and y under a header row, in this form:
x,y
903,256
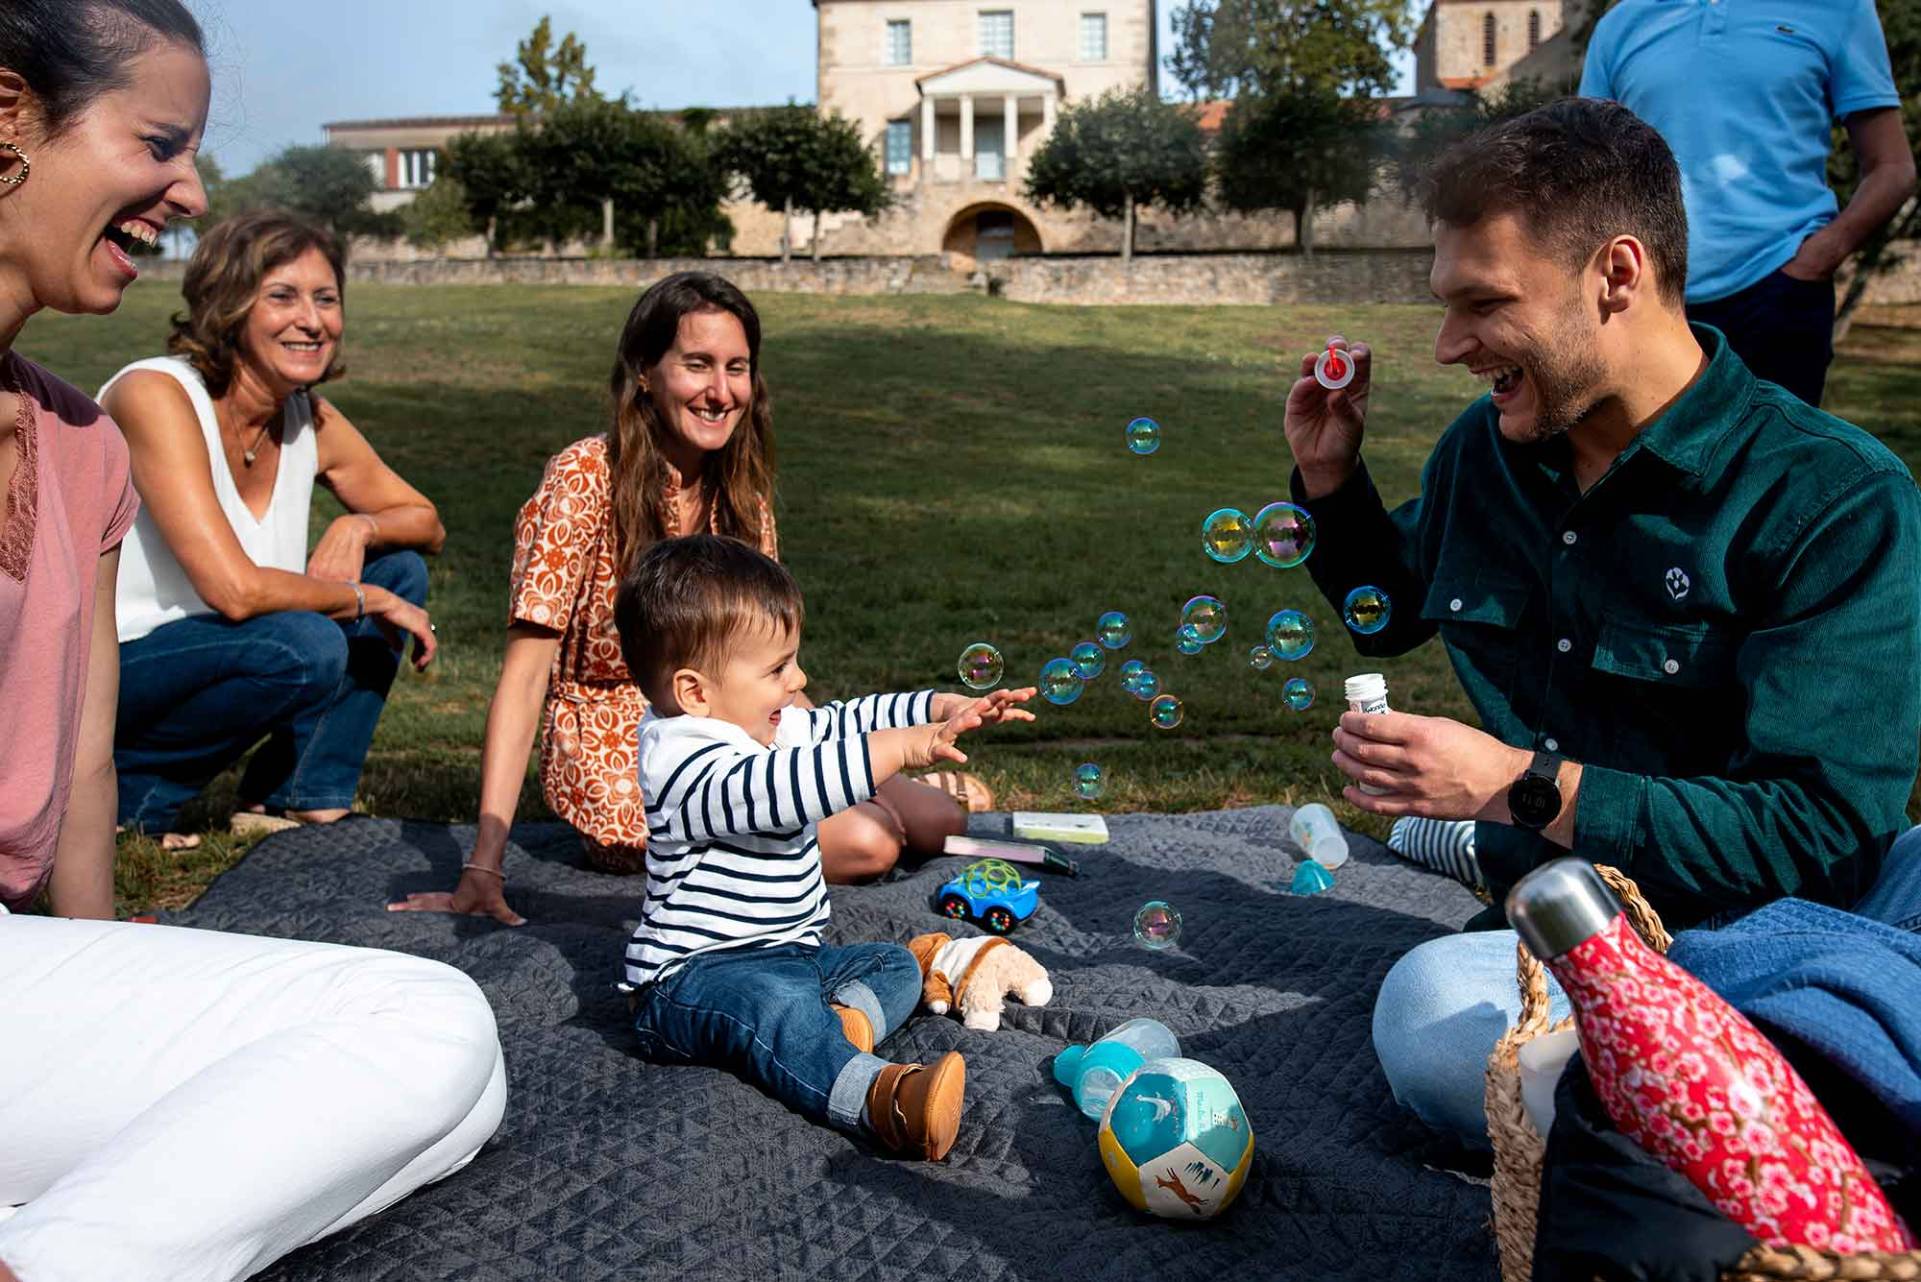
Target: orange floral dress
x,y
564,577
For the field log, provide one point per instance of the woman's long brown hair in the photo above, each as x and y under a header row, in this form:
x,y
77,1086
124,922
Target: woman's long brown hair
x,y
739,475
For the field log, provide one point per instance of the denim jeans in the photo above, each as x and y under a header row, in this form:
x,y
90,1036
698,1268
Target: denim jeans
x,y
1782,328
1446,1002
196,693
763,1014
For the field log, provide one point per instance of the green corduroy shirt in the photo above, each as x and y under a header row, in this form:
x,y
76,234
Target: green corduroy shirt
x,y
1725,630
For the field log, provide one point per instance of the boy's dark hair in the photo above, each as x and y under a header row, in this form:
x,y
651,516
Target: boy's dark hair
x,y
687,599
1577,171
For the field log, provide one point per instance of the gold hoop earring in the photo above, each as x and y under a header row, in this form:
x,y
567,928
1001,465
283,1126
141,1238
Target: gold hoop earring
x,y
26,166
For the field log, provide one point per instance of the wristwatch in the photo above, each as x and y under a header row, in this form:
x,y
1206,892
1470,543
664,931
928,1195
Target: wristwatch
x,y
1534,799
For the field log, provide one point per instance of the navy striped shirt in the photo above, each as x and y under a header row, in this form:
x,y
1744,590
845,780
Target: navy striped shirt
x,y
732,856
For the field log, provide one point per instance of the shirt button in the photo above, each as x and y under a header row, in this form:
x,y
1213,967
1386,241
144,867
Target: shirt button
x,y
1671,667
1564,645
1568,537
1455,604
1550,745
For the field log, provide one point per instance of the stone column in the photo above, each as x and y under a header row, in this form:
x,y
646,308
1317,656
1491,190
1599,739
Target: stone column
x,y
967,133
1047,112
1010,132
927,133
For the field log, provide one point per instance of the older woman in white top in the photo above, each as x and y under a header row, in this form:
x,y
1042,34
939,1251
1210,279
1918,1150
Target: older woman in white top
x,y
230,631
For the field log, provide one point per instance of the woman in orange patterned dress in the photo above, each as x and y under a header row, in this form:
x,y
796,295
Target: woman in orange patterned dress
x,y
691,450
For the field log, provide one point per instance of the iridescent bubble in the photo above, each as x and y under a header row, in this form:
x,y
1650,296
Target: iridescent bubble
x,y
1061,682
1131,674
1088,780
1187,639
980,666
1227,534
1146,685
1290,634
1283,534
1164,711
1311,878
1208,617
1143,436
1260,658
1113,630
1157,925
1089,659
1298,693
1366,609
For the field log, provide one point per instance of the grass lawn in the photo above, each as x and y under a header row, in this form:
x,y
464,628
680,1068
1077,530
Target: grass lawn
x,y
951,470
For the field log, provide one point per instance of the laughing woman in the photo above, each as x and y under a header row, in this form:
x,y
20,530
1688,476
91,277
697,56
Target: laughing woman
x,y
230,632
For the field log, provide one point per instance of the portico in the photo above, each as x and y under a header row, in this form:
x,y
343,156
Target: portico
x,y
979,118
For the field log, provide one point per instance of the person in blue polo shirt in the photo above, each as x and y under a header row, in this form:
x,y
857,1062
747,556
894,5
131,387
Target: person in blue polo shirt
x,y
1745,93
1685,604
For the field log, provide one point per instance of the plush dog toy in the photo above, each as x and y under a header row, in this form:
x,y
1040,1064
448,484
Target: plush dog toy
x,y
975,974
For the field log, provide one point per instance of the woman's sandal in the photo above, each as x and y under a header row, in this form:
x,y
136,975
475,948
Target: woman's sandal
x,y
258,823
968,791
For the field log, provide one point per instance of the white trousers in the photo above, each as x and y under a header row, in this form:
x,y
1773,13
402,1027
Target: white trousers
x,y
185,1104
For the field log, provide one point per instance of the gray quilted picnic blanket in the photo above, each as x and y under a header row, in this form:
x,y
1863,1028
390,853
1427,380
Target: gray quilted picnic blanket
x,y
609,1167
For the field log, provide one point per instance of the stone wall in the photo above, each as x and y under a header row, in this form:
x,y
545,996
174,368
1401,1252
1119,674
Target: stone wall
x,y
1376,276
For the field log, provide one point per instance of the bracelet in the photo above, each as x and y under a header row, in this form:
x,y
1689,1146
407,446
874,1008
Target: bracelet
x,y
360,601
492,872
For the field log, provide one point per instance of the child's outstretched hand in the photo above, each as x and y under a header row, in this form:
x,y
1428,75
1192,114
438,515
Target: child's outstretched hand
x,y
1002,705
938,743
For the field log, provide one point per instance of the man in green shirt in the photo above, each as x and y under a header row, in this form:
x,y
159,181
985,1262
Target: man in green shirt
x,y
1686,605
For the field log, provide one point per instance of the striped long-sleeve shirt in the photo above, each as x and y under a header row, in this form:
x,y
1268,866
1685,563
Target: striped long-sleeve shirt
x,y
732,856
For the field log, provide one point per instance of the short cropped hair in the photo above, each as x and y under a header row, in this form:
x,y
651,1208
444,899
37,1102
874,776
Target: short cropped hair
x,y
687,600
1577,172
223,280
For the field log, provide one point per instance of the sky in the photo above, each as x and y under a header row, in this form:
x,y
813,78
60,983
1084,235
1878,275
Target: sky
x,y
283,68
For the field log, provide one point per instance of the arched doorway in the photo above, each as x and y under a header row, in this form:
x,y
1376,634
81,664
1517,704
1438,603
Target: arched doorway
x,y
987,232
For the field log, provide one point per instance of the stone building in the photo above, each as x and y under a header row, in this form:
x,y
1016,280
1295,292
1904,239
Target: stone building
x,y
1466,44
405,153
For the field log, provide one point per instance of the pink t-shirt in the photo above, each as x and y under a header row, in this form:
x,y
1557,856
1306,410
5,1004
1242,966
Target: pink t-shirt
x,y
70,501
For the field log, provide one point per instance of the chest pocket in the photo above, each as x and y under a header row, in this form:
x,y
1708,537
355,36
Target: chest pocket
x,y
1685,656
1479,613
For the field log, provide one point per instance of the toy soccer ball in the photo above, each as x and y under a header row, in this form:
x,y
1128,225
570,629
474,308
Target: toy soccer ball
x,y
1176,1141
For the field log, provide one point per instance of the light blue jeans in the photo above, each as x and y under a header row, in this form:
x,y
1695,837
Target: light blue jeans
x,y
1446,1002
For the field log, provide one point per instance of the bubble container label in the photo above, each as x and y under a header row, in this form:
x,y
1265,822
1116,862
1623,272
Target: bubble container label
x,y
1367,693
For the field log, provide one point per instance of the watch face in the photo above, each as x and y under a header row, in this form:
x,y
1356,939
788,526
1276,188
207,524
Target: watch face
x,y
1534,801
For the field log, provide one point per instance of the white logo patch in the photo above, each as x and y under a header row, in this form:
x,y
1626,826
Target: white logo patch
x,y
1677,581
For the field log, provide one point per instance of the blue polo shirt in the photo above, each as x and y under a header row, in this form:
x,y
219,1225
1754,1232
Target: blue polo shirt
x,y
1745,92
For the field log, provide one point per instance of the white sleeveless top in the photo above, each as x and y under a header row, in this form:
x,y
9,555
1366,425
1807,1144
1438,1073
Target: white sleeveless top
x,y
152,588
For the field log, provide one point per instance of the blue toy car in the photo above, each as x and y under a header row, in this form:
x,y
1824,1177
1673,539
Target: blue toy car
x,y
992,893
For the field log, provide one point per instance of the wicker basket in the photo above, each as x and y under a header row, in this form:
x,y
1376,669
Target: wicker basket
x,y
1519,1149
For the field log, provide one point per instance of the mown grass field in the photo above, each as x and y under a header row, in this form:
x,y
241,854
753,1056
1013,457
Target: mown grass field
x,y
951,470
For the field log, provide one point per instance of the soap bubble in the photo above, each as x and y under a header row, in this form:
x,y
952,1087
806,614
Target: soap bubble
x,y
1187,639
1061,682
1131,674
1283,534
1226,535
980,666
1311,878
1290,634
1146,685
1366,609
1157,925
1165,711
1113,630
1260,658
1089,660
1208,617
1298,693
1088,780
1143,436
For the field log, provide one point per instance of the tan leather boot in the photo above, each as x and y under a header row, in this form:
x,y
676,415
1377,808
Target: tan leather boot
x,y
858,1028
915,1109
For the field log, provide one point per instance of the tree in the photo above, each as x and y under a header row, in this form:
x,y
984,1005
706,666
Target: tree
x,y
1409,153
794,158
326,185
438,214
542,77
1293,148
492,174
1881,252
1232,48
1120,152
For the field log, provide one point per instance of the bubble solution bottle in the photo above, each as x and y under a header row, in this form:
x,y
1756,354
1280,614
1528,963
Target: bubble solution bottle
x,y
1690,1080
1367,693
1095,1072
